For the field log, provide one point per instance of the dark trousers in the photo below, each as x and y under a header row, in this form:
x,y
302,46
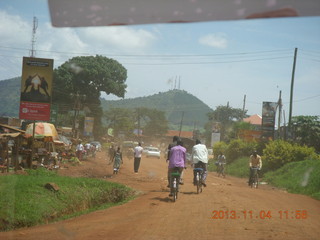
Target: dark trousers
x,y
136,164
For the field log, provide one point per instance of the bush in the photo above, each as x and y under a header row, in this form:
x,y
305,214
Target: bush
x,y
278,153
238,148
219,147
239,168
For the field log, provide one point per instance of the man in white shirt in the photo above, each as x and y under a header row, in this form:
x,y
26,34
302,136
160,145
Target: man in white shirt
x,y
200,160
79,150
137,157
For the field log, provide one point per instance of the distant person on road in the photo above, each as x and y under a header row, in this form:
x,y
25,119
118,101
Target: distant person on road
x,y
87,147
137,157
254,162
117,160
199,159
221,163
177,159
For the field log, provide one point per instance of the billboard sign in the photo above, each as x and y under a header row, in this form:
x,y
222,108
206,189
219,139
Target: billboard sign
x,y
88,126
36,89
268,119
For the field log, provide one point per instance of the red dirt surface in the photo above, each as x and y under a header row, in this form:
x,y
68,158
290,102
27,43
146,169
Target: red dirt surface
x,y
154,216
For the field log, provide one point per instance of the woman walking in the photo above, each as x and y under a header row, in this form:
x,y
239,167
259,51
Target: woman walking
x,y
117,161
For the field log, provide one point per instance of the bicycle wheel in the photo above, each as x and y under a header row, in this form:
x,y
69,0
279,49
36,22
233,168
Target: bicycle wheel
x,y
174,190
256,181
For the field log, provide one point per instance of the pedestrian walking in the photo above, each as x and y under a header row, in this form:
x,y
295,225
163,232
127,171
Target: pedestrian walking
x,y
137,157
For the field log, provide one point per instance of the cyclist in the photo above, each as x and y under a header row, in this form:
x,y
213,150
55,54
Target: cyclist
x,y
221,162
255,162
171,145
199,159
177,160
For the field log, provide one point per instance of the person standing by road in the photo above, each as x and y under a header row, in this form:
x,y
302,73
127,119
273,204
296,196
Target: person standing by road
x,y
79,150
137,157
255,163
199,158
177,160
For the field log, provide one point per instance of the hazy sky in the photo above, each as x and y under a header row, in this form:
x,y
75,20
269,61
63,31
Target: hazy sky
x,y
218,62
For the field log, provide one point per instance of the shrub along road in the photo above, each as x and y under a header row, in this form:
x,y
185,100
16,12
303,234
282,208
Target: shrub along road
x,y
227,209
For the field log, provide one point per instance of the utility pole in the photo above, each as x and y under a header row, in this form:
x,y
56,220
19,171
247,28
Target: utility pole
x,y
291,91
181,123
77,106
33,54
285,129
138,115
244,106
33,40
279,117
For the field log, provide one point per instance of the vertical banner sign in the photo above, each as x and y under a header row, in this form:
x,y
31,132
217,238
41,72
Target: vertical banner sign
x,y
36,89
268,119
88,126
215,135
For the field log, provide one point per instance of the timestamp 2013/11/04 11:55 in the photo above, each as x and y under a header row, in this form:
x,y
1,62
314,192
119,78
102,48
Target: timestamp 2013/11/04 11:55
x,y
262,214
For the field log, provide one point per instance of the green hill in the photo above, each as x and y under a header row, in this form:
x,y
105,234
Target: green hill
x,y
10,97
177,104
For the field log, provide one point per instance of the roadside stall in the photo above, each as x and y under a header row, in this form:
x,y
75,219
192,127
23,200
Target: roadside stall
x,y
44,145
11,140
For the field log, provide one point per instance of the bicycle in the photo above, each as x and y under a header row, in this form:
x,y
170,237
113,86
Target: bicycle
x,y
198,182
220,170
254,181
174,186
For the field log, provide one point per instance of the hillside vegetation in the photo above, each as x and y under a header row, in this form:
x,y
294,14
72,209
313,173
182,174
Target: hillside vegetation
x,y
177,104
10,97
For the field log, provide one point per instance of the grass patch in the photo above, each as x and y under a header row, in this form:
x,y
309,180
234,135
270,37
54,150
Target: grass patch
x,y
238,168
298,177
25,202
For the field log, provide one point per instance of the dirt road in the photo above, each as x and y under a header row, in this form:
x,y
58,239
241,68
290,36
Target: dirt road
x,y
226,209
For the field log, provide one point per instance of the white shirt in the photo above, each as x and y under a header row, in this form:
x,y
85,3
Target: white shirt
x,y
80,147
199,153
138,151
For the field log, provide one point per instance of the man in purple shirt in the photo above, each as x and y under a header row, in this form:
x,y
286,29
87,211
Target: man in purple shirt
x,y
177,160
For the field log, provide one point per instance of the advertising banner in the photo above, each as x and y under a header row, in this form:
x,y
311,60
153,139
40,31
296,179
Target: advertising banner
x,y
268,119
88,126
215,137
36,89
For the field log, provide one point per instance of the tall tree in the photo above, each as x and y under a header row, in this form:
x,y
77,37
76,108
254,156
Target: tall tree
x,y
89,76
225,116
306,130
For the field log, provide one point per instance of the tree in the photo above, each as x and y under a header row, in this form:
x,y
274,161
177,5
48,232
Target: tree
x,y
151,121
157,124
121,120
306,130
89,76
225,116
237,127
